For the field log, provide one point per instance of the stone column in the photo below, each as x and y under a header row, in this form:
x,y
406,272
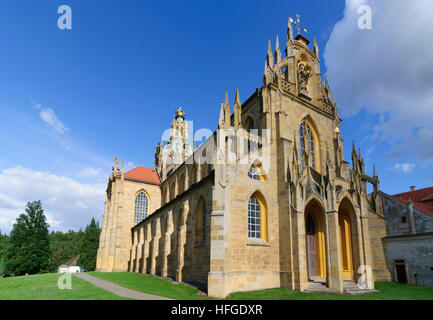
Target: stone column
x,y
181,239
299,259
155,246
166,244
145,253
366,248
181,229
335,280
139,264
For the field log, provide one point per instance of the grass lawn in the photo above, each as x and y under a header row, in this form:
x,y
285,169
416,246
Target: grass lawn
x,y
44,287
387,291
165,288
152,285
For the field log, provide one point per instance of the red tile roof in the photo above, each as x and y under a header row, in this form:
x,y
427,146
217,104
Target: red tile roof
x,y
422,199
143,174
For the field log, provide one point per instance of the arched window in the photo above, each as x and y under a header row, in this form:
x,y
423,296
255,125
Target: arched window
x,y
257,220
141,207
200,222
302,144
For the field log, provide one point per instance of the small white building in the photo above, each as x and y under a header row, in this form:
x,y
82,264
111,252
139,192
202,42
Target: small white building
x,y
70,266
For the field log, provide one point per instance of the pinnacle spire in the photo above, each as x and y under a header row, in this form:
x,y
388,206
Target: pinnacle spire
x,y
277,51
289,30
270,57
374,171
316,48
227,110
237,110
237,99
221,121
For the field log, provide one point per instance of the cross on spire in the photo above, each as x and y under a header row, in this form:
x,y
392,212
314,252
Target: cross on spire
x,y
298,24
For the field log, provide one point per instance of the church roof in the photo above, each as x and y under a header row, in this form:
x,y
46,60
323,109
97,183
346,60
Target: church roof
x,y
143,174
422,199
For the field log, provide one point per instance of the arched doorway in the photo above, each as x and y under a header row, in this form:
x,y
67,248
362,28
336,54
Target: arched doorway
x,y
346,240
315,240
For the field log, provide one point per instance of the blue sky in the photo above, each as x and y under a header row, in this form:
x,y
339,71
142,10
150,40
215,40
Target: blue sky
x,y
72,99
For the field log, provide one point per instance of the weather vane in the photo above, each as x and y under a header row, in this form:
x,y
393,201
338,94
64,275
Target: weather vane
x,y
298,24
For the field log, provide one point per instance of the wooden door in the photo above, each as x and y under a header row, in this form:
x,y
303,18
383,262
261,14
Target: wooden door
x,y
311,247
346,246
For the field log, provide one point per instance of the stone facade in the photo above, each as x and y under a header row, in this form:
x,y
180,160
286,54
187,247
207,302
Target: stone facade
x,y
408,242
268,200
115,240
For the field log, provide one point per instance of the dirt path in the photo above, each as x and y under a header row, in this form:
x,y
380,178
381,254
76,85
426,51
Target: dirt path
x,y
116,289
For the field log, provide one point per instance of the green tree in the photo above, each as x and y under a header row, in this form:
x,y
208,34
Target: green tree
x,y
2,266
89,246
64,246
3,244
28,248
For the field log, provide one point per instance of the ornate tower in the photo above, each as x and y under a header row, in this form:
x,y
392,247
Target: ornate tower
x,y
177,149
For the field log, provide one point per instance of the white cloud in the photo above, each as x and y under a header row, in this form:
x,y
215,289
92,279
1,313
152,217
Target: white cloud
x,y
387,70
67,203
90,172
50,118
404,167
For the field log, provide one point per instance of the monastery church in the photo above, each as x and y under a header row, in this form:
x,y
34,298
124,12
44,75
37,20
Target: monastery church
x,y
267,201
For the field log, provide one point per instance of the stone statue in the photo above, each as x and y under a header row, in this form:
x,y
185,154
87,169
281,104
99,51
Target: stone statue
x,y
303,78
116,164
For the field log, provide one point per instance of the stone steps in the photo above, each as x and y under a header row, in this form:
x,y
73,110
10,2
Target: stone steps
x,y
351,287
318,287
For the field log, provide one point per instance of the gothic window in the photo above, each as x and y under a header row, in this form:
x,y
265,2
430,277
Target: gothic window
x,y
254,218
302,144
141,207
200,222
257,217
313,156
